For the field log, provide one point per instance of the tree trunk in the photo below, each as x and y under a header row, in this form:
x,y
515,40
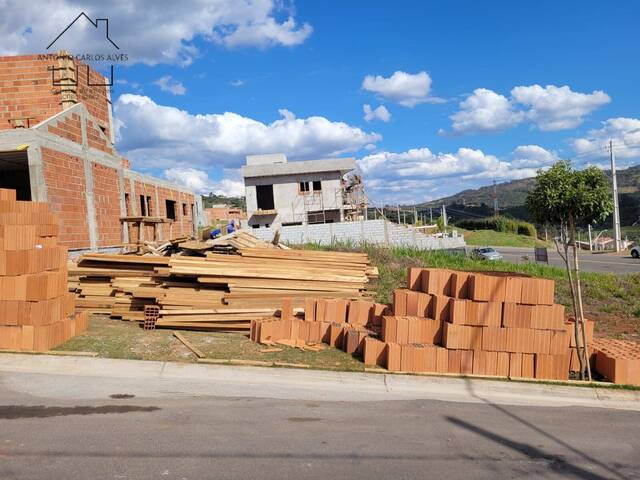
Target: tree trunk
x,y
580,318
565,257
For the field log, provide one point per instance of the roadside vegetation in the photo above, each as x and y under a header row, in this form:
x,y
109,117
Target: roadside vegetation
x,y
499,224
492,238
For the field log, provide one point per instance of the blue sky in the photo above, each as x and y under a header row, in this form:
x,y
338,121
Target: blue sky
x,y
471,91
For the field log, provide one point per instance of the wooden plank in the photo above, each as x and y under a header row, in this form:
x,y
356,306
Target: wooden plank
x,y
189,345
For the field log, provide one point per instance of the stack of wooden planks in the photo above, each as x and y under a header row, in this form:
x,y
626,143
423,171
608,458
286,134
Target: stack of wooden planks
x,y
220,291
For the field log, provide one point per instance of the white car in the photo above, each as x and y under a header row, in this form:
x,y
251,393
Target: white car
x,y
635,251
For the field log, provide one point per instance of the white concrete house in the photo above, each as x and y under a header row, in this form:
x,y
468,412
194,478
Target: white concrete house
x,y
281,193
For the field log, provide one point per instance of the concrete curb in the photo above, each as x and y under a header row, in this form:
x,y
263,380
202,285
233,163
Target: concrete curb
x,y
91,378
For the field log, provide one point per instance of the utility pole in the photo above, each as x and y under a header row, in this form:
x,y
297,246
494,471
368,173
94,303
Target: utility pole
x,y
398,211
444,218
590,241
430,216
495,200
415,215
616,208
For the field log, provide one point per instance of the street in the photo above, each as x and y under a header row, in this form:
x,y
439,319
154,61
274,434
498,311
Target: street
x,y
175,421
599,262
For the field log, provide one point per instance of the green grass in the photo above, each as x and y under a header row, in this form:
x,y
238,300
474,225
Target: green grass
x,y
126,340
499,239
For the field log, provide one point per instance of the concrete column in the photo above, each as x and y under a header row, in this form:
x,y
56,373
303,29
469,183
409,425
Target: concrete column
x,y
161,227
123,205
36,174
88,182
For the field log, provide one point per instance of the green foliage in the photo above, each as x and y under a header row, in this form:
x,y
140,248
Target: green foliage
x,y
213,199
499,224
563,194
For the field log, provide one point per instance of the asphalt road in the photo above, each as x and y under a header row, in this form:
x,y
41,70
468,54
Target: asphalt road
x,y
66,427
599,262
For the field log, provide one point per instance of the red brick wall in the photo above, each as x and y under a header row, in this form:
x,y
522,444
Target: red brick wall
x,y
106,197
64,176
69,128
95,139
27,90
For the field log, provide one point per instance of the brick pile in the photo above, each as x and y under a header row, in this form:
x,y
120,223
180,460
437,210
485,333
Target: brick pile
x,y
36,311
618,360
338,322
482,324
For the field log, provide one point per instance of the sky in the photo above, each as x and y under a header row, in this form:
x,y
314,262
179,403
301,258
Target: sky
x,y
429,97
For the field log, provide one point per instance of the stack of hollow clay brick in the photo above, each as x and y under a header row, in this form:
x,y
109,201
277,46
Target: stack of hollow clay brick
x,y
618,360
337,322
36,311
471,323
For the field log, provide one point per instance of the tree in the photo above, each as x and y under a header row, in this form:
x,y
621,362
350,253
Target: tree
x,y
566,198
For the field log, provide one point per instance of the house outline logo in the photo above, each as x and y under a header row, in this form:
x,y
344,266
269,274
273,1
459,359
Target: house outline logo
x,y
96,24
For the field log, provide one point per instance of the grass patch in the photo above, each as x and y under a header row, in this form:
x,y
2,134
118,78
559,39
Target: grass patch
x,y
126,340
485,238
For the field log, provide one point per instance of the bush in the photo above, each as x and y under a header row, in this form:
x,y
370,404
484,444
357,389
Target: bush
x,y
499,224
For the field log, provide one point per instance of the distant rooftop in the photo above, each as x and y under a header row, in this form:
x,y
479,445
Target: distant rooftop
x,y
276,164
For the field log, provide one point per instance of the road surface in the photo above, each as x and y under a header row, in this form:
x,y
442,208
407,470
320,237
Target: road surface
x,y
599,262
197,422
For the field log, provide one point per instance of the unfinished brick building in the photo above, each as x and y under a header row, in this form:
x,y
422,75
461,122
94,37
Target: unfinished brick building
x,y
56,146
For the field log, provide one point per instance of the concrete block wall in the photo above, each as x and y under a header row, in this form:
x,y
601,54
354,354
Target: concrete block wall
x,y
378,232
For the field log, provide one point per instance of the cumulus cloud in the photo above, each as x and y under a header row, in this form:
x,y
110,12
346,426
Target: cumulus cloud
x,y
549,108
171,85
198,181
407,89
163,33
558,108
419,174
159,136
533,156
485,111
381,113
624,132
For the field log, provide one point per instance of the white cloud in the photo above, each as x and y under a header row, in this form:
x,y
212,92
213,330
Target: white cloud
x,y
148,31
485,111
419,174
407,89
159,136
236,83
624,132
198,180
381,113
558,108
549,108
533,156
171,85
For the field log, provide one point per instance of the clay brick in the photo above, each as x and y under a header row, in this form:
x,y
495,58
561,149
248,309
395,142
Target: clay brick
x,y
414,281
517,316
494,339
442,360
436,281
460,285
559,342
466,362
440,308
487,288
310,309
394,352
461,337
399,302
454,361
390,329
502,367
527,365
515,365
513,290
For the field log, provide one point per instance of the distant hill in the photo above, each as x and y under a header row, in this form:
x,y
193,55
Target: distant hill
x,y
512,195
213,199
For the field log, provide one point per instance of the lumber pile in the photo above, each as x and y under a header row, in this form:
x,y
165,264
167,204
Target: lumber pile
x,y
219,291
36,311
